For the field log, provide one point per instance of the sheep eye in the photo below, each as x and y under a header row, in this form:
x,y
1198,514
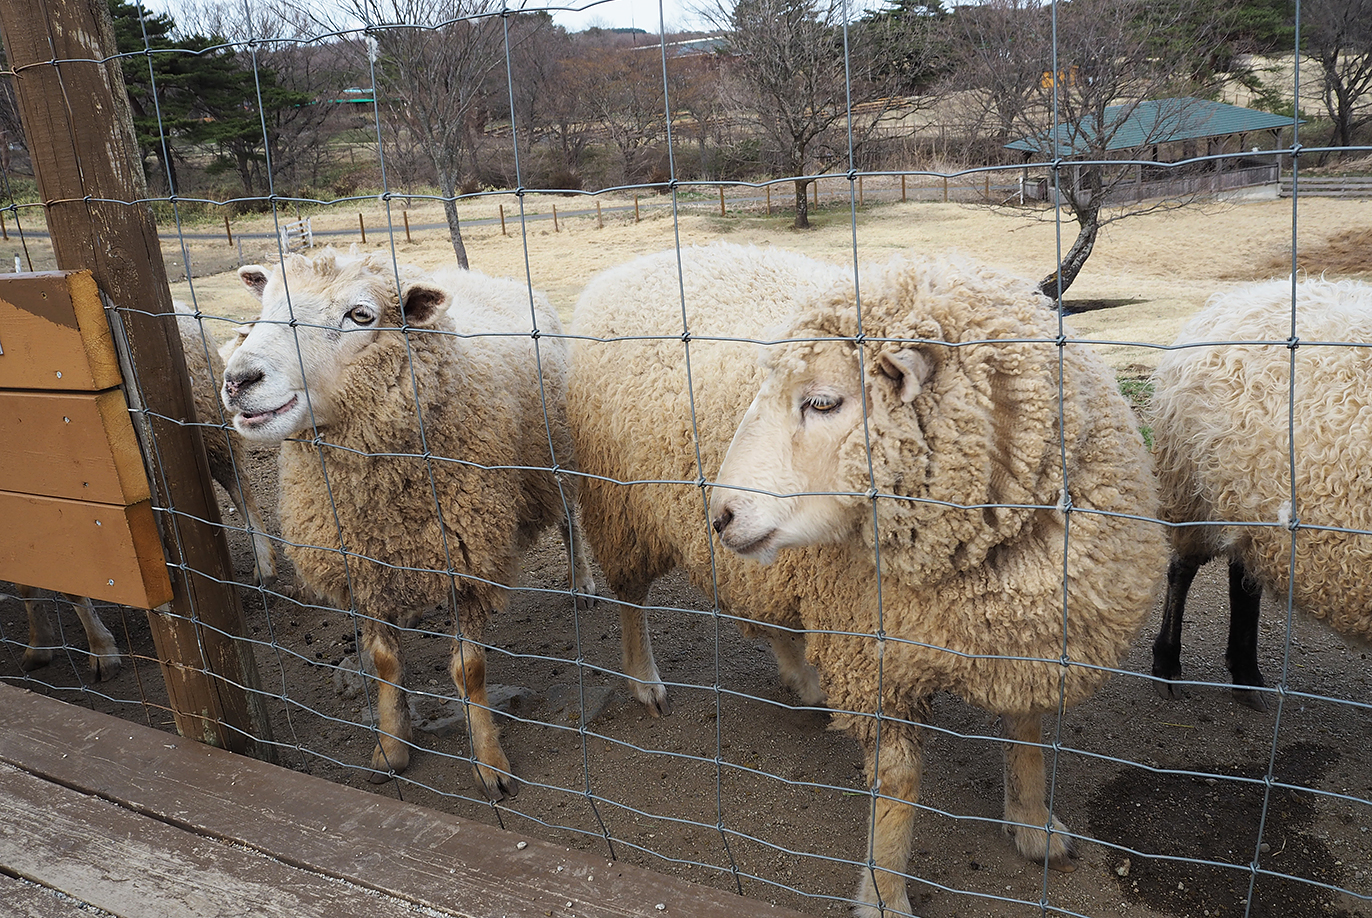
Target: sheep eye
x,y
822,404
361,315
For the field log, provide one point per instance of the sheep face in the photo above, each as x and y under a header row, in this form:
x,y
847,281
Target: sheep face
x,y
303,360
788,479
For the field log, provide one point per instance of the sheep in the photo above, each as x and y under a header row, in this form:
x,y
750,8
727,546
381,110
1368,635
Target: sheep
x,y
103,658
1223,449
974,479
225,451
421,419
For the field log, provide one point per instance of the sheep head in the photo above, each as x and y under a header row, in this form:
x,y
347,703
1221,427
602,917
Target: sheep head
x,y
939,387
322,336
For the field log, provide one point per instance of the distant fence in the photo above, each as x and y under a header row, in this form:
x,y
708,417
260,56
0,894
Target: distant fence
x,y
1343,186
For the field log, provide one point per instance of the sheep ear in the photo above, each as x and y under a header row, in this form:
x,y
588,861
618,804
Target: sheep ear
x,y
909,368
422,302
254,277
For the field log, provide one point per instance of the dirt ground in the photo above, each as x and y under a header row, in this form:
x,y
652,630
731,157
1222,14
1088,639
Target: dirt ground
x,y
739,788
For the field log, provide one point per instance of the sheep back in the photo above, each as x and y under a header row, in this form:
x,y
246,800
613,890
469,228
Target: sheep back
x,y
1224,416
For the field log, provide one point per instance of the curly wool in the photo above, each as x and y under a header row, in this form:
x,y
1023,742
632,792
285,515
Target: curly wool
x,y
1223,442
984,582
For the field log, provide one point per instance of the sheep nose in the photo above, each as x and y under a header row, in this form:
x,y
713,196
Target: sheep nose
x,y
723,519
236,383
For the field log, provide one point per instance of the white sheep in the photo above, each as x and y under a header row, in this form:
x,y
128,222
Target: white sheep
x,y
422,431
226,452
955,386
1220,415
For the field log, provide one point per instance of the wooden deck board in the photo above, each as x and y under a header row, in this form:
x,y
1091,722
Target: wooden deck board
x,y
24,899
323,830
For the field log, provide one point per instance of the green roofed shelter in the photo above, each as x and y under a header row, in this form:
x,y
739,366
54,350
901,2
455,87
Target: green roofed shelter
x,y
1151,123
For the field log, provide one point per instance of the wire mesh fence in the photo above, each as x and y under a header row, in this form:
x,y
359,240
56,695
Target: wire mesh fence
x,y
429,457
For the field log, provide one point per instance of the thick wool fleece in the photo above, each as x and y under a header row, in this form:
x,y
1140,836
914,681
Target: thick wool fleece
x,y
475,405
978,581
1224,448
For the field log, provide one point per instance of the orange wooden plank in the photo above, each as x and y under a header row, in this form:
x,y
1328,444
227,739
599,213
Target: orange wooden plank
x,y
100,550
54,334
77,445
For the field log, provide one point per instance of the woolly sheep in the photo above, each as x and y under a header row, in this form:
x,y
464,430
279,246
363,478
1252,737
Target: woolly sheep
x,y
1220,421
360,404
225,451
954,427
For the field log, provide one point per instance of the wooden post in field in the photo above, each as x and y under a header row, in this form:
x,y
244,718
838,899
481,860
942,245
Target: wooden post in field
x,y
769,200
721,200
987,186
406,215
555,229
599,221
861,199
227,231
815,188
79,129
635,208
363,227
502,221
945,189
902,189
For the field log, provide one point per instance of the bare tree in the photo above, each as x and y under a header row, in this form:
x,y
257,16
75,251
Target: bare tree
x,y
1079,90
1338,35
430,62
810,80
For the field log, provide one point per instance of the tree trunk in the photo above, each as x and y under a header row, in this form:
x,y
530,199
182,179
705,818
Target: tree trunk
x,y
448,188
1056,283
802,204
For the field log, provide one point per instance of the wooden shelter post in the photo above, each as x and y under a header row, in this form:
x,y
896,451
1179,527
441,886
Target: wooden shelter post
x,y
79,128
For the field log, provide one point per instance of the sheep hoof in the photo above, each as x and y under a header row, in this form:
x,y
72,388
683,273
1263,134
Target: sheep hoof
x,y
105,667
585,602
654,698
495,784
386,766
35,659
1169,691
1251,699
379,777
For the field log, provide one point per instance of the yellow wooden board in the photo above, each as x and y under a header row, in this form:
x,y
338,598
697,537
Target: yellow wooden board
x,y
100,550
77,445
54,334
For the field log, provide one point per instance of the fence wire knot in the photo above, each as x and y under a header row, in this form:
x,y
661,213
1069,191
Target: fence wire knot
x,y
1293,342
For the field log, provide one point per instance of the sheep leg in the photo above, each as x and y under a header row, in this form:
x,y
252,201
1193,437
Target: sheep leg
x,y
104,653
578,563
795,672
895,773
1167,647
42,635
636,645
1026,814
224,471
1241,654
392,753
491,767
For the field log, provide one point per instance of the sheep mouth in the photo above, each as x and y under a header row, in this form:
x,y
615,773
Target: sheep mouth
x,y
254,419
763,547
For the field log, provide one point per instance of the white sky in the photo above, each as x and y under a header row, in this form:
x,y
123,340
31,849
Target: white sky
x,y
644,14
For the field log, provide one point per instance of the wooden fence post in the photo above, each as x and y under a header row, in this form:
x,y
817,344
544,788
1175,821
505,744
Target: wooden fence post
x,y
363,227
406,215
769,200
721,200
599,221
227,231
555,229
635,208
502,221
79,130
902,189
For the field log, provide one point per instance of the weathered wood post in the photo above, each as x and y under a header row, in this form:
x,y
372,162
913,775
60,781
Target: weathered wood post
x,y
79,128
